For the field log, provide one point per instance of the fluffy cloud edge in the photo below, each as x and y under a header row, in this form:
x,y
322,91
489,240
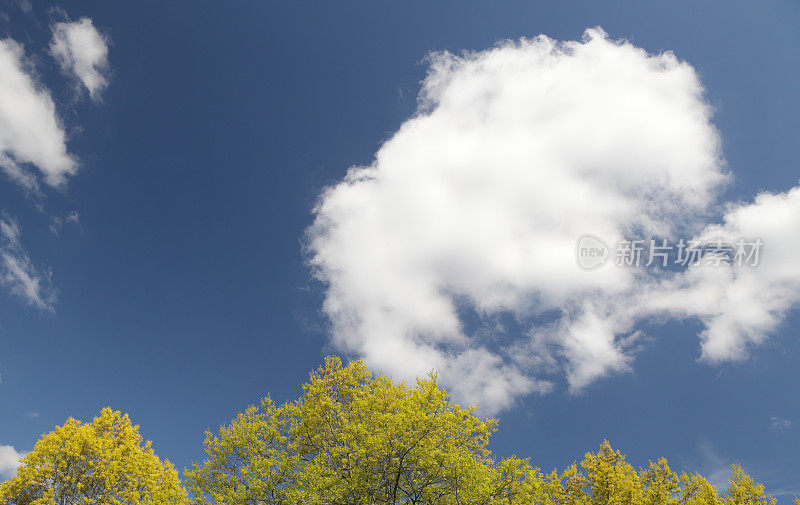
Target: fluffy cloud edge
x,y
31,134
82,53
10,460
623,136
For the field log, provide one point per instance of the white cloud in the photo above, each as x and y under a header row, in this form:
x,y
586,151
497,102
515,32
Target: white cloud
x,y
30,132
18,274
471,211
9,460
82,52
716,468
741,306
57,222
33,142
779,424
25,6
476,202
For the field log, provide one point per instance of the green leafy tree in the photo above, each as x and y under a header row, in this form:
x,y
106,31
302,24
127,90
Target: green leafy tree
x,y
356,438
608,479
743,490
352,438
104,462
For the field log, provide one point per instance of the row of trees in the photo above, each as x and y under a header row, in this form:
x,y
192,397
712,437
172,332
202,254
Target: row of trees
x,y
351,438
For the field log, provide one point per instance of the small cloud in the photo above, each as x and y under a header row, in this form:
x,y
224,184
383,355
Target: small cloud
x,y
779,424
33,414
715,467
9,230
55,225
790,490
31,134
57,222
82,53
18,274
10,460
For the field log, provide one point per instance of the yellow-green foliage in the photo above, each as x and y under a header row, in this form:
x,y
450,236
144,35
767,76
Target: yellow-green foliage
x,y
352,438
607,479
104,462
356,438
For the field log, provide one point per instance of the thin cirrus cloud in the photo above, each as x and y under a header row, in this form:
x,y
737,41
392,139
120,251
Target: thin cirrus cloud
x,y
779,424
82,53
18,274
470,213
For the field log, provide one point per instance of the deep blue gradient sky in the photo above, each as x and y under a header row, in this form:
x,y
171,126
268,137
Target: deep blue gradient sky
x,y
183,294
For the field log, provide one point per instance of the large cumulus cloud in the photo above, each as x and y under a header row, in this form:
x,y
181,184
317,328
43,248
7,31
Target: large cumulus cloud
x,y
470,213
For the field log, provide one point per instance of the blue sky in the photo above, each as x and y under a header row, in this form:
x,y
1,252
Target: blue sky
x,y
183,291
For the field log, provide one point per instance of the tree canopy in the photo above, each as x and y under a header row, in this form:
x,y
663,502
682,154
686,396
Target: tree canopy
x,y
351,438
606,478
103,462
354,438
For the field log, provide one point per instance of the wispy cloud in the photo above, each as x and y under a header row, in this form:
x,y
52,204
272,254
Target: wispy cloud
x,y
25,6
790,490
18,274
777,423
57,222
712,465
82,53
33,142
715,466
